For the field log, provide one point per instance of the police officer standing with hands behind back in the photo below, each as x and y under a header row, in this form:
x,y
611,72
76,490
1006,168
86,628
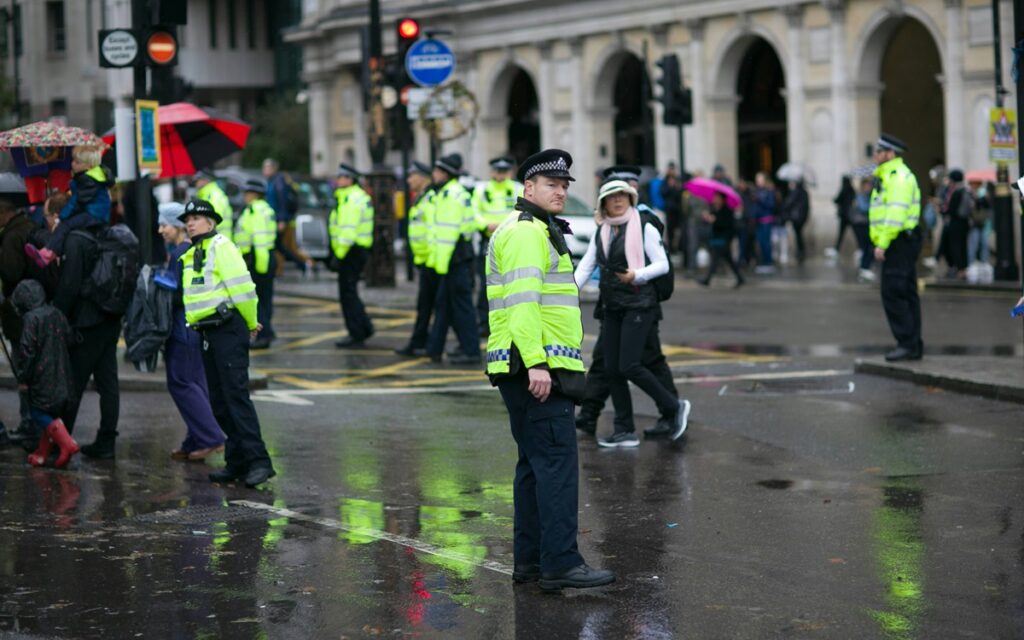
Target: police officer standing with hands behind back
x,y
534,358
220,303
894,215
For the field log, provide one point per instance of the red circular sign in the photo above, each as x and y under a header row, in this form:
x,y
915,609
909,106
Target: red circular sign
x,y
161,47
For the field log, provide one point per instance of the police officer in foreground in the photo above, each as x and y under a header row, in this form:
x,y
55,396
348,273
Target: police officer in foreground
x,y
534,358
255,235
893,218
220,303
207,189
350,228
492,201
421,223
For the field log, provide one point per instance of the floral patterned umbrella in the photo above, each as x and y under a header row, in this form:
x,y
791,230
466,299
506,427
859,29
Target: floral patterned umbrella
x,y
48,134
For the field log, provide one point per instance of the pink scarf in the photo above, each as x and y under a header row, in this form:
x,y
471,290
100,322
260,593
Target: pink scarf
x,y
634,236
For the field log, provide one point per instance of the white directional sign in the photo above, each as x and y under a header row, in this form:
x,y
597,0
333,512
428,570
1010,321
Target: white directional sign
x,y
118,48
439,106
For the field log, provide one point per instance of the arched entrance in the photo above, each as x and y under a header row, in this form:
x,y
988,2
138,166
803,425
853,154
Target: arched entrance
x,y
909,102
523,113
634,123
761,111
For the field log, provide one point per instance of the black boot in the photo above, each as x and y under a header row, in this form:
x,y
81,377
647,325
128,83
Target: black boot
x,y
102,448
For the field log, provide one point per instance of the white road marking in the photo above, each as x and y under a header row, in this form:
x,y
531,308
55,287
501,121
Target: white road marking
x,y
412,543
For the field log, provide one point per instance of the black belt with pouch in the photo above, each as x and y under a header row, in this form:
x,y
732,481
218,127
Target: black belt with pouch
x,y
222,314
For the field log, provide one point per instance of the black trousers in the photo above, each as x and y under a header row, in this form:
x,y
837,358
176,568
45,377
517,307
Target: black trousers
x,y
546,488
265,292
899,290
426,300
482,310
721,251
350,270
843,225
956,249
94,354
598,388
454,308
801,247
226,361
624,334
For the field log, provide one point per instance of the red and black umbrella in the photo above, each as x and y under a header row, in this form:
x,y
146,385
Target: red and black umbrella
x,y
193,138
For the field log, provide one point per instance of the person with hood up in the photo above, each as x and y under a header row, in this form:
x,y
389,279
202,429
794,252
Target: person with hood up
x,y
43,369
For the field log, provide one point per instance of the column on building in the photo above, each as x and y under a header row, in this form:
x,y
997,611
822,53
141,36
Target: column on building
x,y
841,99
795,109
698,144
584,164
953,74
320,159
546,95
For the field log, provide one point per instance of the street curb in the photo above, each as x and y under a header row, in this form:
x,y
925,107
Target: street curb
x,y
956,285
949,382
140,382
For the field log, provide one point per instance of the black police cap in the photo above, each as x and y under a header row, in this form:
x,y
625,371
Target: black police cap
x,y
552,163
504,163
622,172
197,207
348,171
255,186
418,167
891,143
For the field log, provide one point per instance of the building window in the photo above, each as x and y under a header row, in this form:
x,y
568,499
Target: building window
x,y
250,22
58,108
232,20
55,25
90,33
212,22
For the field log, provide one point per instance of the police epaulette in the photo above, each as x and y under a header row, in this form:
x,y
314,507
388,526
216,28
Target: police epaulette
x,y
525,217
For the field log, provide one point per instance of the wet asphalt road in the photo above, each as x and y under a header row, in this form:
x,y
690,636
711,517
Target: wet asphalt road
x,y
807,502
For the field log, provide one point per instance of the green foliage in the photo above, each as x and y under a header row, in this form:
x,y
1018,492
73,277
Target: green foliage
x,y
280,130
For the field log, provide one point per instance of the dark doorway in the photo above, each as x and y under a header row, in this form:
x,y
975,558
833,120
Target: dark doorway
x,y
634,125
523,118
761,114
911,103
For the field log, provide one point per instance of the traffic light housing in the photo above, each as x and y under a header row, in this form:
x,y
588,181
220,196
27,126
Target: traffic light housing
x,y
676,101
407,32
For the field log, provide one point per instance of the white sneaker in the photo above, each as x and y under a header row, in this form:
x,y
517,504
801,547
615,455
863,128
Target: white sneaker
x,y
929,262
764,269
622,439
866,275
681,420
831,252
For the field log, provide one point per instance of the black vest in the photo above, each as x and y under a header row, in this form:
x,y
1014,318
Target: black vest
x,y
615,295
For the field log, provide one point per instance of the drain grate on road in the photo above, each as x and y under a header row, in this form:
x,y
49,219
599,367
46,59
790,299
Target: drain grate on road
x,y
809,387
200,515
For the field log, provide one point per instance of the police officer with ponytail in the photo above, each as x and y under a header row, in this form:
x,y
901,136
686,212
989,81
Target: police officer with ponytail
x,y
221,304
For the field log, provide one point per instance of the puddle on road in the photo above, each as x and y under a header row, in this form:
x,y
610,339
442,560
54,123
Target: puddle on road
x,y
825,350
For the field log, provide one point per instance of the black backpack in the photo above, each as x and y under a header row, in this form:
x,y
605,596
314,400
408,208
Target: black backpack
x,y
111,283
665,284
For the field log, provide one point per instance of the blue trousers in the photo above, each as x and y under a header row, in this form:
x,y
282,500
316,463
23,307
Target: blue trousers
x,y
764,243
546,489
455,309
186,381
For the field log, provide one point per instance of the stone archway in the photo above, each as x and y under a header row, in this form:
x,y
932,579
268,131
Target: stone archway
x,y
622,116
511,119
904,101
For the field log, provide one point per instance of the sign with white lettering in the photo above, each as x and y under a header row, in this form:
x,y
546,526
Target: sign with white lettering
x,y
118,48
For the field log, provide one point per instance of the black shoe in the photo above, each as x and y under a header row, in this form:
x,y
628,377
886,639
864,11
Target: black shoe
x,y
407,351
661,428
419,353
586,425
435,358
260,343
348,342
100,450
622,439
258,476
704,282
680,420
581,577
901,354
464,359
225,475
526,573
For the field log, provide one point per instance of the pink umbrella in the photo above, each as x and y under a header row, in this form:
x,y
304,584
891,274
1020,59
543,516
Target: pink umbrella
x,y
706,188
981,175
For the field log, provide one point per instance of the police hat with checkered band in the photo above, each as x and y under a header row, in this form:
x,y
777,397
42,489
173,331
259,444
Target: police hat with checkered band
x,y
504,163
551,163
625,172
196,207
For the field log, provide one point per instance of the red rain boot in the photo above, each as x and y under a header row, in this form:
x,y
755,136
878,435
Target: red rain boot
x,y
68,447
38,457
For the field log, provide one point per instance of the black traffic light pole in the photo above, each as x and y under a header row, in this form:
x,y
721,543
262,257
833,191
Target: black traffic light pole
x,y
1018,39
141,21
381,181
1002,202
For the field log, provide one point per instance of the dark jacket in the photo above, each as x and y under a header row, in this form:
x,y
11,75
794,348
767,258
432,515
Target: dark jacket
x,y
796,208
724,225
13,269
844,199
89,195
616,295
79,258
149,321
42,362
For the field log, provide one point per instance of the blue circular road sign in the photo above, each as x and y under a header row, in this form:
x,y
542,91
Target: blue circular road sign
x,y
429,62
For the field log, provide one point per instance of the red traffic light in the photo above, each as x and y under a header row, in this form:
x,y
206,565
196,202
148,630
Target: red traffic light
x,y
408,29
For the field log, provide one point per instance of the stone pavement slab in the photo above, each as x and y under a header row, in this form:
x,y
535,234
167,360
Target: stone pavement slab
x,y
1001,378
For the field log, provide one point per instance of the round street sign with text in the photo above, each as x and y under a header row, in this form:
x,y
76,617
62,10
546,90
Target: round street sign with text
x,y
429,62
118,48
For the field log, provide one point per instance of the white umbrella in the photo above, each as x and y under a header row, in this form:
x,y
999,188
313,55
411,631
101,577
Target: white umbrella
x,y
793,172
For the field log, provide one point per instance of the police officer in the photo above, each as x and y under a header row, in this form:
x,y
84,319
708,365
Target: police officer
x,y
893,218
454,225
255,235
598,385
221,303
492,201
351,230
208,189
421,223
534,358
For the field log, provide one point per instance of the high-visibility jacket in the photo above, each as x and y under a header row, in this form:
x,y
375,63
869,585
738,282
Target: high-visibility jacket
x,y
494,200
212,193
532,299
421,222
351,222
895,202
454,220
256,233
221,278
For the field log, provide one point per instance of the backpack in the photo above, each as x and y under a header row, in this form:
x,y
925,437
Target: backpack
x,y
111,283
665,284
291,199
